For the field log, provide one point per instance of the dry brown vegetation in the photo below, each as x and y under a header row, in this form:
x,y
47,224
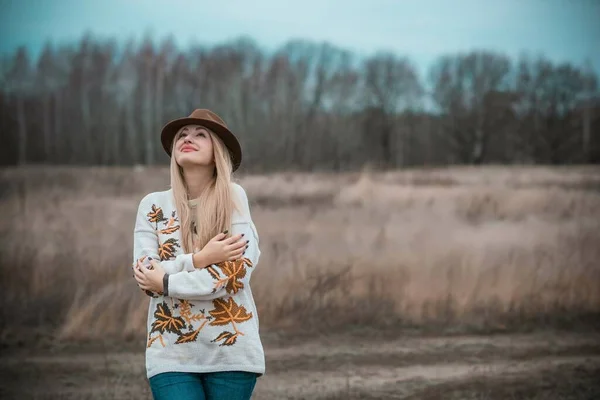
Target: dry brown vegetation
x,y
491,248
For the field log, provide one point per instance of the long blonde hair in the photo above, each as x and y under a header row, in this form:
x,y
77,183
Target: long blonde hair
x,y
216,203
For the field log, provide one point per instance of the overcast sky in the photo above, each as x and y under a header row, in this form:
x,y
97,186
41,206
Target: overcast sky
x,y
563,30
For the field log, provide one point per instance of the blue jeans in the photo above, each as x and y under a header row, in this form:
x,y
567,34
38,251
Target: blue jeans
x,y
227,385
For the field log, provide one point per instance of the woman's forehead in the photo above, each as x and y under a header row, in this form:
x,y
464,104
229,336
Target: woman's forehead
x,y
193,128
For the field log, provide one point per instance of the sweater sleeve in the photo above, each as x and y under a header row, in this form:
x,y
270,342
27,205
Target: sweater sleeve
x,y
225,278
145,241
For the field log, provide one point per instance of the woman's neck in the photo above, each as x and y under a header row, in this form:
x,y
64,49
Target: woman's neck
x,y
197,179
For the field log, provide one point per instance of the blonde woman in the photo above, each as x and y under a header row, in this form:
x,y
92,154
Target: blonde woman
x,y
195,248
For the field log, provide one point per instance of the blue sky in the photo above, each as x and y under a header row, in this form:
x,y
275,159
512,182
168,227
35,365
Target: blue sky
x,y
562,30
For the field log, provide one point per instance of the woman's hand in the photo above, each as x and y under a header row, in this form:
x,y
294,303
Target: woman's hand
x,y
219,249
150,279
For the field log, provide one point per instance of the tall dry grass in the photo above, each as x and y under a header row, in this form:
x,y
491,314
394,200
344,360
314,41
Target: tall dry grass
x,y
483,248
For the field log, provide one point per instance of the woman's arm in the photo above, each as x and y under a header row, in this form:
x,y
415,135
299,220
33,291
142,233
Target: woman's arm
x,y
218,280
145,244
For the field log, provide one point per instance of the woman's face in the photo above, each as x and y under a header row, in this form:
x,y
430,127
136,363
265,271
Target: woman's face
x,y
193,146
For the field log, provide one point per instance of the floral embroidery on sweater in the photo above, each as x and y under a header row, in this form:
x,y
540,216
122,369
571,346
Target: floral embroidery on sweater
x,y
233,271
166,250
227,274
171,227
226,312
156,215
181,325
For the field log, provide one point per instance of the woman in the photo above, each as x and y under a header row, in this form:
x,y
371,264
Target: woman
x,y
195,248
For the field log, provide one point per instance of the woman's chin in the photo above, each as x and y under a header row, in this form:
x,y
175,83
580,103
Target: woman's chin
x,y
191,160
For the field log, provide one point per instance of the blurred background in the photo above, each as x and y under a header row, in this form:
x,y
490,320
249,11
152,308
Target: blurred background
x,y
424,177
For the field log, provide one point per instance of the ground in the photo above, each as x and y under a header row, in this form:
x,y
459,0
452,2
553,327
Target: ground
x,y
539,365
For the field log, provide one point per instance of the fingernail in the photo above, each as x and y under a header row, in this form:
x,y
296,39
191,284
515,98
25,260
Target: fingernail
x,y
244,252
247,241
225,231
243,234
149,258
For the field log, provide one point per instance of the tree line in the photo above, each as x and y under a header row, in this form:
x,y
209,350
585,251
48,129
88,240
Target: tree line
x,y
305,106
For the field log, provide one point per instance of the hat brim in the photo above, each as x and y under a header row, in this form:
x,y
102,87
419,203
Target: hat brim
x,y
231,142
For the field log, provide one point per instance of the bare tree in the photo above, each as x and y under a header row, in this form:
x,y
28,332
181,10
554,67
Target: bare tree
x,y
590,86
468,91
122,87
391,85
146,66
550,96
17,87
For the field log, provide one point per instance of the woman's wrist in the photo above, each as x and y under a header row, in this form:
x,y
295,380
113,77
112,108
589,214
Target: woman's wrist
x,y
199,260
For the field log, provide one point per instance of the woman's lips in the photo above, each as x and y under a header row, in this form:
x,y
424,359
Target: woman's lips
x,y
187,149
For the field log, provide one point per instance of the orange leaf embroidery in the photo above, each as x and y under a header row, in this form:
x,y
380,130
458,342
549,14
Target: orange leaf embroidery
x,y
213,272
166,250
185,310
225,313
234,271
153,339
188,337
156,215
171,227
228,312
227,337
168,231
165,322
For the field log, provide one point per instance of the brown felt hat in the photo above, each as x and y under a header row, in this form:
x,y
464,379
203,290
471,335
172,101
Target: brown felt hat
x,y
207,119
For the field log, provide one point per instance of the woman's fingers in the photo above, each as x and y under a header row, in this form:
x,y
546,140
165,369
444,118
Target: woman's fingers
x,y
219,237
238,253
233,239
236,246
139,275
235,249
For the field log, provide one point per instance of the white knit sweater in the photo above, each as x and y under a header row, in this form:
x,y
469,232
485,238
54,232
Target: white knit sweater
x,y
208,322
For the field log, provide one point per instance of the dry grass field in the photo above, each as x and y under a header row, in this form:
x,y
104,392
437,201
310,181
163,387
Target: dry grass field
x,y
430,283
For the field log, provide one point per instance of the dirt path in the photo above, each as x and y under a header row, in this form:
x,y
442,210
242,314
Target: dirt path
x,y
482,367
351,381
